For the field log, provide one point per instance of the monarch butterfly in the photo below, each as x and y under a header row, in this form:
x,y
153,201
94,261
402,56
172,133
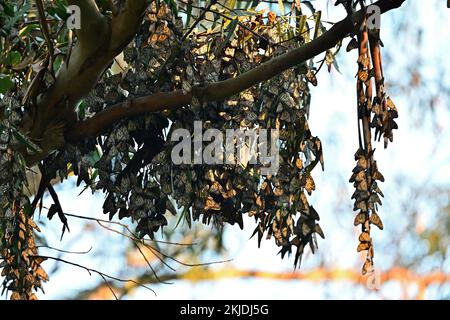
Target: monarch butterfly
x,y
365,237
376,220
363,246
310,186
367,267
299,164
360,218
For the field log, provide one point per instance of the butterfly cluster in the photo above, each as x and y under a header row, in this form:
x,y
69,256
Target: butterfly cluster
x,y
373,113
135,168
20,267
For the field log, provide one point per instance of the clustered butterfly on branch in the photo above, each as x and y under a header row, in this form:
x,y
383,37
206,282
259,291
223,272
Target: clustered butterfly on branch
x,y
377,113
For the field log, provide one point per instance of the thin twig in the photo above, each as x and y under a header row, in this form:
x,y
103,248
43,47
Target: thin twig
x,y
200,18
66,251
109,286
149,265
90,270
163,254
128,229
46,33
134,239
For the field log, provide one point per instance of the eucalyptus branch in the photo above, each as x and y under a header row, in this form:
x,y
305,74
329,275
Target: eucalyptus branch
x,y
221,90
91,19
125,24
100,40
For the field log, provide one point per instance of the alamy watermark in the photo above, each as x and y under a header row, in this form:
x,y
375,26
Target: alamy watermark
x,y
74,20
373,17
373,281
241,146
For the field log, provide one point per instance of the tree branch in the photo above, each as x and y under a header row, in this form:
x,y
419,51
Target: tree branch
x,y
223,89
126,23
100,40
91,19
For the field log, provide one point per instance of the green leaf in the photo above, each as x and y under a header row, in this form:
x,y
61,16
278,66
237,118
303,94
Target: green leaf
x,y
231,29
254,4
2,127
14,58
59,11
317,16
25,30
188,14
230,4
93,157
173,6
8,9
25,141
5,83
281,7
82,109
16,15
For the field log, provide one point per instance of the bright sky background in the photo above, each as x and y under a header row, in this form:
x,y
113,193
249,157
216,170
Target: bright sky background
x,y
333,119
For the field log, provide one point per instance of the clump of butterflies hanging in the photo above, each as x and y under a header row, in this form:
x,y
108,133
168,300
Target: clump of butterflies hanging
x,y
376,119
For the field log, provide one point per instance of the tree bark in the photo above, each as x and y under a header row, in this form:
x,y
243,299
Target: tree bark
x,y
100,39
